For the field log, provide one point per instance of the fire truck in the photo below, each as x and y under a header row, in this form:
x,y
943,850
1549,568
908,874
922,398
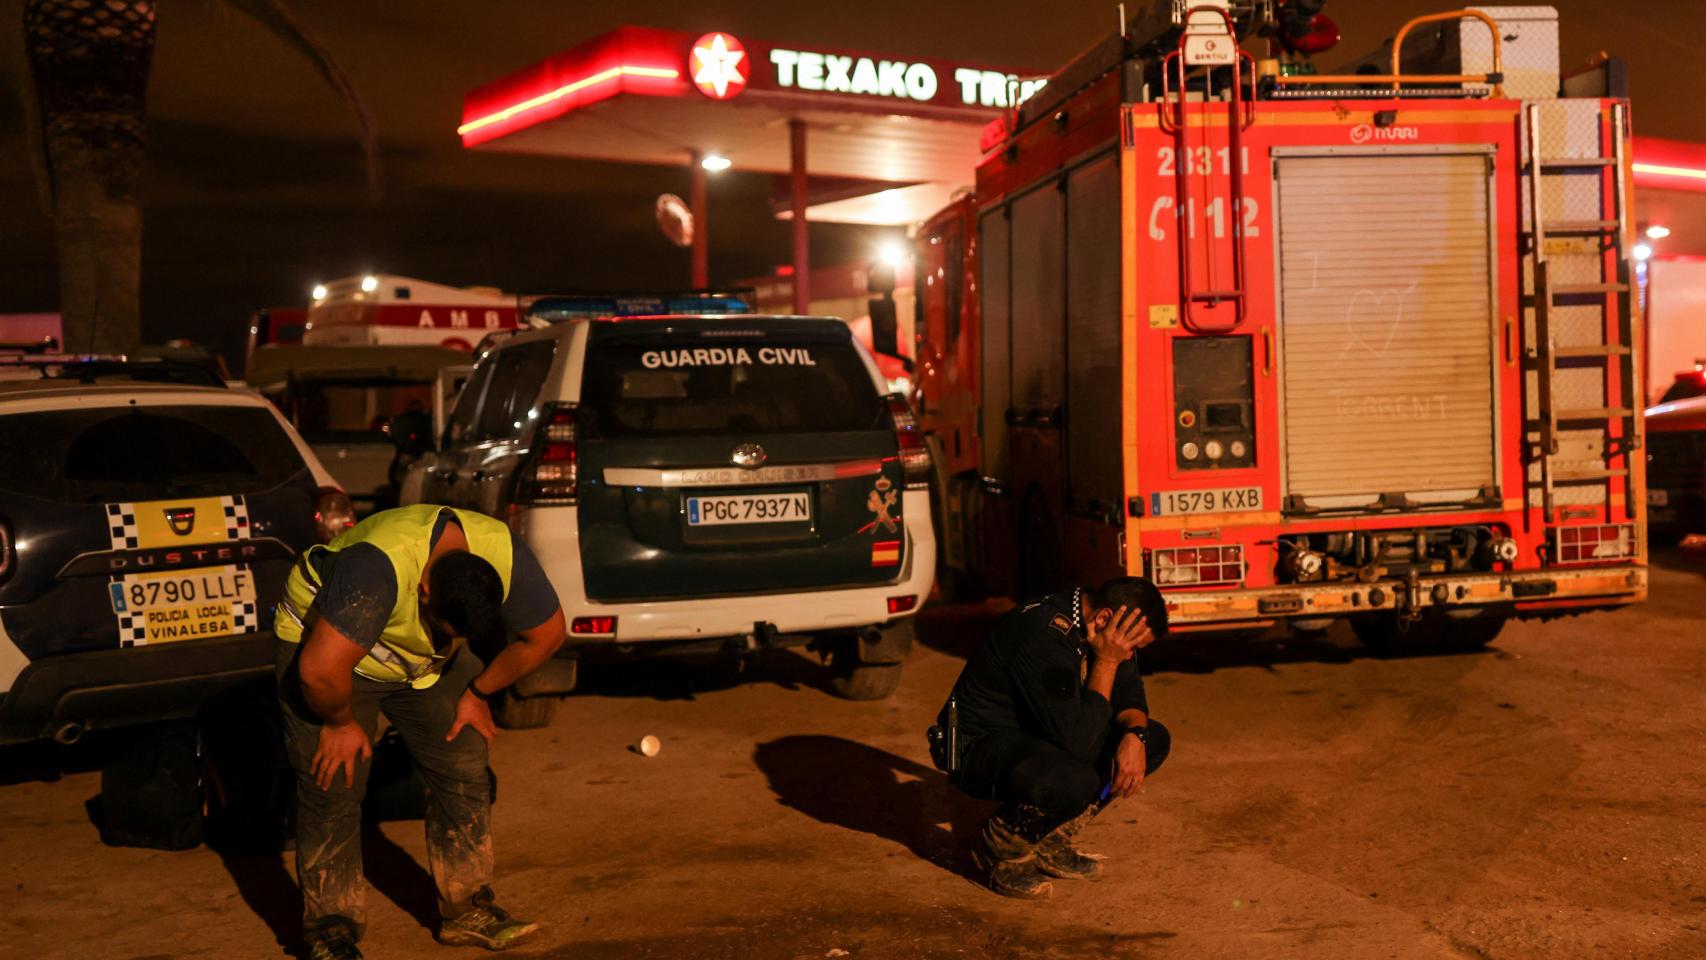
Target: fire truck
x,y
1297,345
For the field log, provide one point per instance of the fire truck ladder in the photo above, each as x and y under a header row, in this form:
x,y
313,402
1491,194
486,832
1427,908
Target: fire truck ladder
x,y
1614,349
1174,120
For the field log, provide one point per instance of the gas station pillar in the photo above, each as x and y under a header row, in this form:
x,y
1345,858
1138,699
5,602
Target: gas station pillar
x,y
697,202
797,191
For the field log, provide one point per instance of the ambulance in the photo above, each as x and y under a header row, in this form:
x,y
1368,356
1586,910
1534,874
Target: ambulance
x,y
371,348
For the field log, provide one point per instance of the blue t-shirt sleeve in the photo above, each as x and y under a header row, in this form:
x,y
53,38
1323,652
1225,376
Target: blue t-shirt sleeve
x,y
359,593
532,600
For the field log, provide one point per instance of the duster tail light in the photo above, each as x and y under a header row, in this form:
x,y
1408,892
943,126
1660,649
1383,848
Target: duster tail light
x,y
333,513
8,551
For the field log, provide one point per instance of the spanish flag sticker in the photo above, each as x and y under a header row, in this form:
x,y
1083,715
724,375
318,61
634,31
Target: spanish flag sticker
x,y
885,553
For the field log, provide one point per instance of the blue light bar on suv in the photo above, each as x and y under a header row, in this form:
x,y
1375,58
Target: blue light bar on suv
x,y
556,309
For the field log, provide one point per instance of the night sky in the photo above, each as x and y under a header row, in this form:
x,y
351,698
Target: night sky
x,y
255,188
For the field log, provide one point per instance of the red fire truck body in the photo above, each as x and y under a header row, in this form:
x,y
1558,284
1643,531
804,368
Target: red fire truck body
x,y
1364,384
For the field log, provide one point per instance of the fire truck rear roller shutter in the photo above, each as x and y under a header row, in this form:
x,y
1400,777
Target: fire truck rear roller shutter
x,y
1386,326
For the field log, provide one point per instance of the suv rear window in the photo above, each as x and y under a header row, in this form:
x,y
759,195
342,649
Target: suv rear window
x,y
697,386
144,453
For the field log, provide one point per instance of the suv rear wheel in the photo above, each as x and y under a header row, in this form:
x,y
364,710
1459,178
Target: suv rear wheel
x,y
854,680
866,666
513,712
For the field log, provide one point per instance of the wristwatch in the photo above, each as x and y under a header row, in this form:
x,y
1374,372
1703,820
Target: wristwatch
x,y
1141,733
478,693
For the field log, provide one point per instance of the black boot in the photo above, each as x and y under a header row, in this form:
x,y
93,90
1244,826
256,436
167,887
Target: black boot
x,y
1008,860
335,942
1057,857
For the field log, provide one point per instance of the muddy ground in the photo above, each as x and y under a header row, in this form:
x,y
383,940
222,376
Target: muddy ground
x,y
1544,798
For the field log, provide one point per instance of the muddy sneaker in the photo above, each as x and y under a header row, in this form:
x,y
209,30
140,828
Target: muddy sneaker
x,y
485,925
1009,862
333,947
1057,857
1019,879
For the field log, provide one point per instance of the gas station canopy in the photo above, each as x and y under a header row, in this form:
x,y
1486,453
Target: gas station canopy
x,y
896,135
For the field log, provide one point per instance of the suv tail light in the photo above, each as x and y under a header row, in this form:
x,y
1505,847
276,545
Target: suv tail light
x,y
593,626
902,604
8,554
333,513
550,474
914,455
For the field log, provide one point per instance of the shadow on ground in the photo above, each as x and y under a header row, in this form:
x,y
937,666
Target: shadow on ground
x,y
665,678
1687,557
47,761
859,787
269,890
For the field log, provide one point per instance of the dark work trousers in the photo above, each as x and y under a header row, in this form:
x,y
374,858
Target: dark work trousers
x,y
328,822
1019,768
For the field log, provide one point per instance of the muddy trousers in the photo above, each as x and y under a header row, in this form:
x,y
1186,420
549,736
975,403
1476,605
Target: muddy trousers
x,y
328,822
1051,785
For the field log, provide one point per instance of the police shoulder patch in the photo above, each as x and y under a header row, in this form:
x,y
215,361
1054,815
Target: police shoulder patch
x,y
1061,623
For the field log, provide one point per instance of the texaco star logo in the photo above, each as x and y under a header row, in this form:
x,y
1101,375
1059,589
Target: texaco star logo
x,y
719,65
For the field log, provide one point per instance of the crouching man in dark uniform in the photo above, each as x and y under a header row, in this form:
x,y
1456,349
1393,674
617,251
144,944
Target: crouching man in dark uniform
x,y
1050,718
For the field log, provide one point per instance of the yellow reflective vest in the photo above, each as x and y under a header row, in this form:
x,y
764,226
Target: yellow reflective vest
x,y
404,651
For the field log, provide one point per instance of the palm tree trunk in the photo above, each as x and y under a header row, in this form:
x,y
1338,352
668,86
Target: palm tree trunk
x,y
89,62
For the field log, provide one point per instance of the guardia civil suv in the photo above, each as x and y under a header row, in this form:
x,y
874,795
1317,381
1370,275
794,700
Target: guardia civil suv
x,y
702,483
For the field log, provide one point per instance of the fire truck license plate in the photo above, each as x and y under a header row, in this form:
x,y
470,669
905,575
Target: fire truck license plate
x,y
1227,500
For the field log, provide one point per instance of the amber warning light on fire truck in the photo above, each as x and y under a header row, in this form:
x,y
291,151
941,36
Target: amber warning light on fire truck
x,y
1299,345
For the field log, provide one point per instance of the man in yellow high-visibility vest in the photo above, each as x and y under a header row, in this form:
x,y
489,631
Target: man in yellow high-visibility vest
x,y
410,614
